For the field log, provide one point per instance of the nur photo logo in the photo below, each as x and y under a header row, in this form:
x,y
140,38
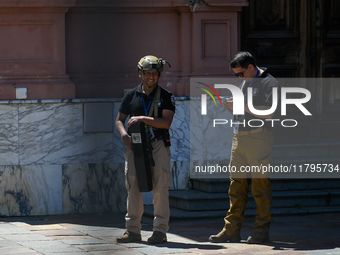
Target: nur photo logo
x,y
280,98
204,97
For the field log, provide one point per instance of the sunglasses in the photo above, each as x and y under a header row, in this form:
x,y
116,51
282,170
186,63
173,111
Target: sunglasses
x,y
240,74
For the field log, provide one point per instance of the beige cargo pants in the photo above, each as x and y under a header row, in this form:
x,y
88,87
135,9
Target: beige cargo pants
x,y
250,149
161,180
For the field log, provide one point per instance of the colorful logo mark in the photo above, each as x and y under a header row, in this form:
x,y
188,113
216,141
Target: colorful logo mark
x,y
209,93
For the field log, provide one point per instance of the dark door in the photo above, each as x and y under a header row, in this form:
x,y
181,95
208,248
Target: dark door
x,y
300,38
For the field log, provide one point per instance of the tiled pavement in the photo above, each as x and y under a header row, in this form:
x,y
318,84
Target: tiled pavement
x,y
96,234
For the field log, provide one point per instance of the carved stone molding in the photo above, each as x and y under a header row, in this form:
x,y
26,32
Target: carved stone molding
x,y
37,3
193,4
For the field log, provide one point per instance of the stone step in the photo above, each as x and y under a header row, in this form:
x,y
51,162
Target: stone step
x,y
326,129
297,160
209,198
176,213
307,149
210,185
194,200
222,185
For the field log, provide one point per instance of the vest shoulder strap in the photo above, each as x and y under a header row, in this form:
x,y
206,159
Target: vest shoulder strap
x,y
154,106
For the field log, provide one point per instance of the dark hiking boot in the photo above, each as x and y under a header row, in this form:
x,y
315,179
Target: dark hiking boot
x,y
129,237
223,237
258,238
157,237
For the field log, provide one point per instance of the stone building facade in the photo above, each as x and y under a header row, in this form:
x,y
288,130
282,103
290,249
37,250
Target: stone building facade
x,y
65,66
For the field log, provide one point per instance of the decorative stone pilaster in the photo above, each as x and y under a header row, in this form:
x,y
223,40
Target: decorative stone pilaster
x,y
32,49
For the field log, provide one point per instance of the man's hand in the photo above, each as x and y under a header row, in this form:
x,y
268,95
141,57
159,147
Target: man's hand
x,y
134,120
228,105
126,138
127,141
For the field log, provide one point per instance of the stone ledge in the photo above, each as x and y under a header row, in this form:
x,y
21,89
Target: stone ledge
x,y
76,100
37,3
155,4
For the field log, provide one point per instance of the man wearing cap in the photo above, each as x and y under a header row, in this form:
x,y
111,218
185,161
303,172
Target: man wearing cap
x,y
137,105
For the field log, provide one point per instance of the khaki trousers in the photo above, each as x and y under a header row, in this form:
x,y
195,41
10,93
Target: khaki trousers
x,y
161,180
250,150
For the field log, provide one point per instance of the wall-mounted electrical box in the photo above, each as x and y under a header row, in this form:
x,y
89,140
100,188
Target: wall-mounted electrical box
x,y
21,93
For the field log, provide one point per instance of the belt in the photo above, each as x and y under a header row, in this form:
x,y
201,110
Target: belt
x,y
253,131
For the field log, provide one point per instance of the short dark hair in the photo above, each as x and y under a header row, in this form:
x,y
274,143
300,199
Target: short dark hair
x,y
242,59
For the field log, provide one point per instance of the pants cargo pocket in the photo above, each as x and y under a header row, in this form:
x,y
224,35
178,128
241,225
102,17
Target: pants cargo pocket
x,y
131,183
166,175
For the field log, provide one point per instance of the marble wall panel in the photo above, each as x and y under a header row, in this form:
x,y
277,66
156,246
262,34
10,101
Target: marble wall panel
x,y
30,190
180,132
9,147
53,134
50,166
118,146
180,171
93,188
209,142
